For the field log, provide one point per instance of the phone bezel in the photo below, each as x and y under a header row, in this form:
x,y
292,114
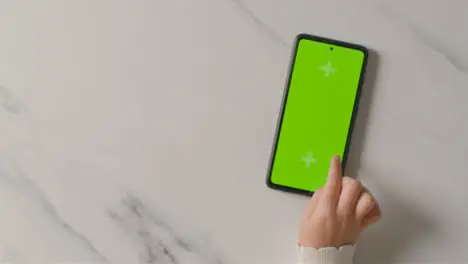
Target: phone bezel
x,y
285,97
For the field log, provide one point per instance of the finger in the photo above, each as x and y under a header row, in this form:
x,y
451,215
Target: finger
x,y
332,189
364,206
349,197
310,208
374,212
373,217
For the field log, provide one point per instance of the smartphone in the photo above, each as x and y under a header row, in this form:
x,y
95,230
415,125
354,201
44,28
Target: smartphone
x,y
317,113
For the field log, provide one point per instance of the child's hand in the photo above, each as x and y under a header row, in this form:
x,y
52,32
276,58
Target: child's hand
x,y
338,212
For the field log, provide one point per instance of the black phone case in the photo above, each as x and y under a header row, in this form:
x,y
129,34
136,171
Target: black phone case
x,y
285,97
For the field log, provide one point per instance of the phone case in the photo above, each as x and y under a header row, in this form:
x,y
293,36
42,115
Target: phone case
x,y
285,96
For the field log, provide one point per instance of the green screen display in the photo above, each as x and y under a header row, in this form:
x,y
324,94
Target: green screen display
x,y
318,112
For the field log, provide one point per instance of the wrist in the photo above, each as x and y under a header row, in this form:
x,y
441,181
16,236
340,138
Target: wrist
x,y
326,255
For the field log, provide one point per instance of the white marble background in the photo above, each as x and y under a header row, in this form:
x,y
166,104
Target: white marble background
x,y
139,131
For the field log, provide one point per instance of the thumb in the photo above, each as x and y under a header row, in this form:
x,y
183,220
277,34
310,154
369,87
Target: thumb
x,y
372,217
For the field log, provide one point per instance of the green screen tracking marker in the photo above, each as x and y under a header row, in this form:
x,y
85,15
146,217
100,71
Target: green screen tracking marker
x,y
317,114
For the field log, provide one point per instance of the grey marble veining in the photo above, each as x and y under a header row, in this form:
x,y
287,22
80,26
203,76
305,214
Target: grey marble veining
x,y
156,240
425,38
140,131
9,102
263,28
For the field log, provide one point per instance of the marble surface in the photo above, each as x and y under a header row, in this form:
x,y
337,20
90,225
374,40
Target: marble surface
x,y
140,131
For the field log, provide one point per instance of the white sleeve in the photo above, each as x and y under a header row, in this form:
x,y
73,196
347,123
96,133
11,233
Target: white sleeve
x,y
329,255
